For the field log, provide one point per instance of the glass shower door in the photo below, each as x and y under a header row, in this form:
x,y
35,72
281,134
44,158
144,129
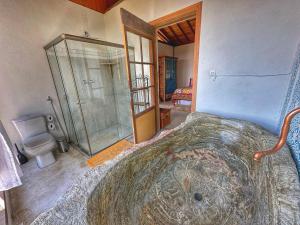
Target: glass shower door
x,y
71,95
92,69
61,94
92,88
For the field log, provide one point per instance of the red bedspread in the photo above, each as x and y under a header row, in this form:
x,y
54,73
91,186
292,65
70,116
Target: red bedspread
x,y
182,94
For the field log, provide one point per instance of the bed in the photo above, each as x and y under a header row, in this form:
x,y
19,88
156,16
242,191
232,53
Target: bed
x,y
183,96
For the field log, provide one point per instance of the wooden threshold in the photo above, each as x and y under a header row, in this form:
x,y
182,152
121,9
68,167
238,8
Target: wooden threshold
x,y
109,153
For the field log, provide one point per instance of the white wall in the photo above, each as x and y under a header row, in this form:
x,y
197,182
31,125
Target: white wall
x,y
164,50
26,26
185,60
247,37
147,10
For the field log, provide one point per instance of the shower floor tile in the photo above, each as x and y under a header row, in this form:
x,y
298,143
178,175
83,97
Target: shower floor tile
x,y
104,138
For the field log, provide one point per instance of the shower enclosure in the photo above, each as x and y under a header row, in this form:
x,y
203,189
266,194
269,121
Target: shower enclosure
x,y
92,88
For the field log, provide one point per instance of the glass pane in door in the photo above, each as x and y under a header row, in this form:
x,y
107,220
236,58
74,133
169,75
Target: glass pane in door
x,y
63,102
147,50
134,47
141,72
136,75
71,94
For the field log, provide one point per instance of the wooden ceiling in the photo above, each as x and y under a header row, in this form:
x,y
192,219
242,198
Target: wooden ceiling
x,y
180,33
101,6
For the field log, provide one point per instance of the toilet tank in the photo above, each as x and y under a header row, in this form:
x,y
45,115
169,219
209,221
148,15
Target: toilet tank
x,y
29,125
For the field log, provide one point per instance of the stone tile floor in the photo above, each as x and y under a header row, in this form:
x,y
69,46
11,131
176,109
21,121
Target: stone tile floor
x,y
42,187
178,116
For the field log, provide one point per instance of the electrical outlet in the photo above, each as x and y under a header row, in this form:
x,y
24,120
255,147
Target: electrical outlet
x,y
213,75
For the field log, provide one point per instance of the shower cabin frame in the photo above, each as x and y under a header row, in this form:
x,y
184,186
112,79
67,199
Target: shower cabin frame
x,y
64,38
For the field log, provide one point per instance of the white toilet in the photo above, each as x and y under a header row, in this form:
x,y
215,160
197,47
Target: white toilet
x,y
37,141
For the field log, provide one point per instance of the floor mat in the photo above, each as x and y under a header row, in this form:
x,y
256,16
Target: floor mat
x,y
109,153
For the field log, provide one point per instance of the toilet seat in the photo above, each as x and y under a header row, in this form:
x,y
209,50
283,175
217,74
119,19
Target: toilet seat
x,y
39,144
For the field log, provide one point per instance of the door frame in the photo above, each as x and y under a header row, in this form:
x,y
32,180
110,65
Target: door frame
x,y
194,10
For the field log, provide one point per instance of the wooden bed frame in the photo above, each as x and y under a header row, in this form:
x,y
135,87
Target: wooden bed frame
x,y
176,98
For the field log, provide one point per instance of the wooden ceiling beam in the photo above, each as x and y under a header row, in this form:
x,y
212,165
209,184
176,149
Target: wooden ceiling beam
x,y
191,27
162,37
159,38
175,35
162,30
182,31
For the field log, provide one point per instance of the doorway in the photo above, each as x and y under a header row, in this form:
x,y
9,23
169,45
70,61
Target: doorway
x,y
178,39
140,40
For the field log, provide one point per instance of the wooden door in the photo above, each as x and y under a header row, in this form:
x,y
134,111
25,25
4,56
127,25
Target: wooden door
x,y
139,42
